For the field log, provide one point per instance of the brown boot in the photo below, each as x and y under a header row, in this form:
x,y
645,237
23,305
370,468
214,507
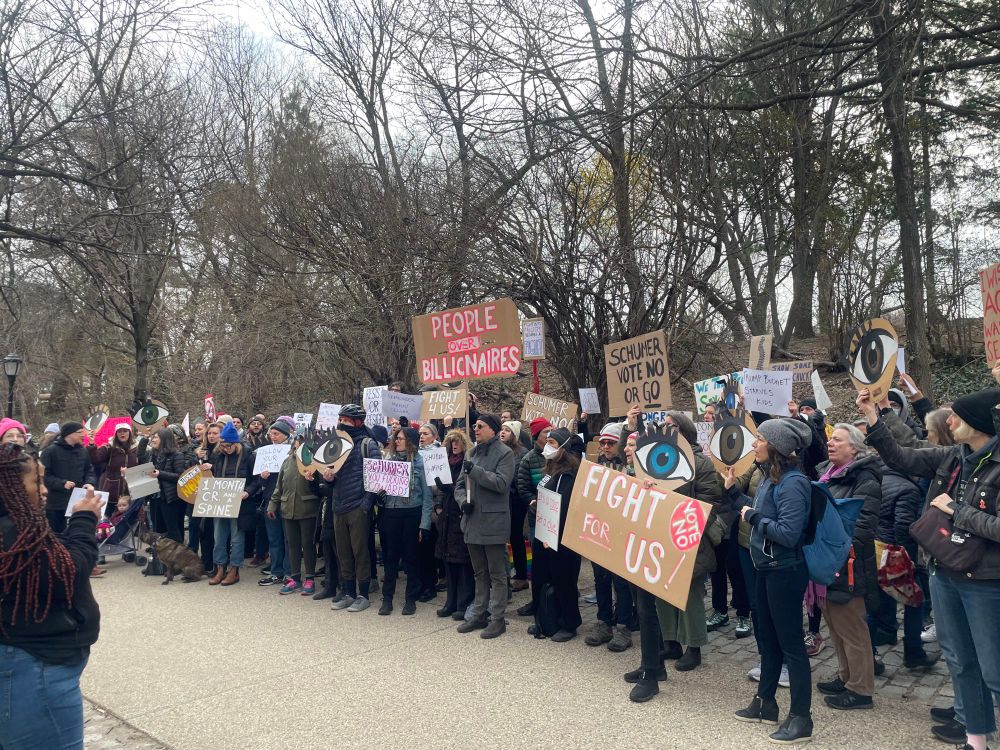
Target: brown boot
x,y
233,576
217,578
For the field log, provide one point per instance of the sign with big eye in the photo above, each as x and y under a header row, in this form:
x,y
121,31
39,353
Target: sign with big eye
x,y
322,450
150,417
647,535
872,357
638,373
731,445
665,459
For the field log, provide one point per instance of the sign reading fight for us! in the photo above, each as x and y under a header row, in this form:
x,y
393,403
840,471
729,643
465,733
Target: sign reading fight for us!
x,y
475,342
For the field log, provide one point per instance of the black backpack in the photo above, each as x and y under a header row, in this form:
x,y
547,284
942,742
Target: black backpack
x,y
547,612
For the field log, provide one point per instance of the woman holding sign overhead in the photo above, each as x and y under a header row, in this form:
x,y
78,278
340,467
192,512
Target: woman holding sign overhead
x,y
111,460
233,460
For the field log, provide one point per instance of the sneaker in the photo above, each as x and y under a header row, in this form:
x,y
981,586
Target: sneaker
x,y
832,687
848,701
359,605
637,675
469,625
269,580
743,627
590,599
717,620
344,603
599,634
814,643
930,634
795,729
943,715
759,711
953,732
265,571
622,640
309,587
290,587
783,680
754,674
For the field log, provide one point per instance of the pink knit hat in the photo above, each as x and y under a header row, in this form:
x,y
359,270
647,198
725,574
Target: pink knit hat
x,y
7,424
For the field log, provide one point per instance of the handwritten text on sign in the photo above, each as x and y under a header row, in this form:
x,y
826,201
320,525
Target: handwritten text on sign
x,y
990,279
646,535
219,498
767,392
473,342
445,403
559,413
801,369
391,476
547,517
638,373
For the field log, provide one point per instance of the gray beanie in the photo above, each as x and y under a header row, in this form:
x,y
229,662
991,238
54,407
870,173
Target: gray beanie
x,y
788,436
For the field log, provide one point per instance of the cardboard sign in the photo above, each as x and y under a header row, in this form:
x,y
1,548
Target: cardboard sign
x,y
439,404
664,458
391,476
990,281
872,357
150,418
396,405
98,416
303,420
139,481
269,458
468,343
801,369
823,401
107,430
219,498
327,416
590,403
436,465
188,483
648,536
533,333
767,392
760,352
371,399
323,450
79,493
547,514
559,413
209,408
709,391
733,434
638,373
593,450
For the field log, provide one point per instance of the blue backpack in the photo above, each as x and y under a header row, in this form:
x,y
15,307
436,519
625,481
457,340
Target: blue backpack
x,y
829,533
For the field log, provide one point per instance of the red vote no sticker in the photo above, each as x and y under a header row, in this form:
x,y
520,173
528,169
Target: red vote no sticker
x,y
686,524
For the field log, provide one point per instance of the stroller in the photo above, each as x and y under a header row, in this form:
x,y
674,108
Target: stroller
x,y
125,528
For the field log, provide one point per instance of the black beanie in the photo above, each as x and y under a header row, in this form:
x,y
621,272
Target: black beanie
x,y
412,436
69,428
975,409
492,420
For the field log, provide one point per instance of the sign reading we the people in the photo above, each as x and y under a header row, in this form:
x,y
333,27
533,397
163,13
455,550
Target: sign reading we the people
x,y
475,342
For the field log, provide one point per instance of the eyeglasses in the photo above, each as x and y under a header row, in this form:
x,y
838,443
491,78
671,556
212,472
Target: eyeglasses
x,y
479,426
607,442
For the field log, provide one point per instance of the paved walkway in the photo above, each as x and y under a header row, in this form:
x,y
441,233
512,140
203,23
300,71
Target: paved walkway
x,y
198,667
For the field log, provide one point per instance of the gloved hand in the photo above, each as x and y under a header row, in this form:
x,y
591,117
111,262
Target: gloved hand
x,y
381,495
404,422
466,508
467,465
438,483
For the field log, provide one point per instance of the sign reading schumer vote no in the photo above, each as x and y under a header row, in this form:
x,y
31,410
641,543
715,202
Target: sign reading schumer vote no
x,y
638,373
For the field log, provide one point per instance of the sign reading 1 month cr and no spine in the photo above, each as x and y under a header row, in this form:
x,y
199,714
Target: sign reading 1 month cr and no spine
x,y
638,373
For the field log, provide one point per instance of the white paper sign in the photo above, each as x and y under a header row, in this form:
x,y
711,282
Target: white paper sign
x,y
371,399
326,417
436,465
705,430
302,420
901,360
391,476
140,484
547,517
823,401
589,401
186,424
269,458
533,333
218,498
395,405
78,494
768,392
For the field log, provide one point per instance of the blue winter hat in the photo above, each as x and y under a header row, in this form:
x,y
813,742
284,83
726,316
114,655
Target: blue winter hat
x,y
229,434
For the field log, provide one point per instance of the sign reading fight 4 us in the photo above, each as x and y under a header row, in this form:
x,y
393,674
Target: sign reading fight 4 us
x,y
468,343
649,536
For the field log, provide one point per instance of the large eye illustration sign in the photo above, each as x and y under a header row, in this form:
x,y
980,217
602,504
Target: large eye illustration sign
x,y
320,450
731,445
98,416
150,417
664,458
872,357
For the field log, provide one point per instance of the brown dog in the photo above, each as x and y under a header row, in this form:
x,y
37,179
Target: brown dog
x,y
176,558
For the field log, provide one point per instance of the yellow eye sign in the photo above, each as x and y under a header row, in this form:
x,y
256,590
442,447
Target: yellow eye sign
x,y
872,357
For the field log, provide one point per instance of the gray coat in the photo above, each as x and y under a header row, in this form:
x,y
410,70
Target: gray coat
x,y
487,487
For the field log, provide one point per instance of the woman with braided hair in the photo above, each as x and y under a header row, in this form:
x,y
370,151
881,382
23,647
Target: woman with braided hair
x,y
48,615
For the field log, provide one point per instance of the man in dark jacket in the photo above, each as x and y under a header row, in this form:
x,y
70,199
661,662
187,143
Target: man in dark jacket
x,y
67,466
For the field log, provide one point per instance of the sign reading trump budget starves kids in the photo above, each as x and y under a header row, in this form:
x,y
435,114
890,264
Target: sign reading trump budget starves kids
x,y
468,343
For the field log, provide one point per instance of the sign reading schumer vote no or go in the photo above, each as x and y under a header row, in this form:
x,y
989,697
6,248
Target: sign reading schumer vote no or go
x,y
638,373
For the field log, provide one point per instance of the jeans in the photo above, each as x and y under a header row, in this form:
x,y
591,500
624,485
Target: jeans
x,y
779,634
226,529
276,545
623,612
41,707
966,613
400,531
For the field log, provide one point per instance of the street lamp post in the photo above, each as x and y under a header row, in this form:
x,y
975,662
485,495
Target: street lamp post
x,y
11,366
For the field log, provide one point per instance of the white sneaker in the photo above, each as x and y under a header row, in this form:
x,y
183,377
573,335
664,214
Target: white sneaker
x,y
342,603
359,605
754,674
930,634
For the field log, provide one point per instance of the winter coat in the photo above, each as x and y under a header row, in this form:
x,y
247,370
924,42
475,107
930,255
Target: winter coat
x,y
419,496
976,509
112,460
748,483
451,546
815,453
901,504
256,441
707,487
529,474
859,576
170,466
294,495
487,488
239,466
778,518
65,463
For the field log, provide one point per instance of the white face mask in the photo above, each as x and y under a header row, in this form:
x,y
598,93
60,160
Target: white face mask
x,y
548,452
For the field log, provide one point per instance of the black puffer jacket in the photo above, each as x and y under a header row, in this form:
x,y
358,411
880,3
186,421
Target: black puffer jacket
x,y
170,466
65,463
901,501
859,576
450,546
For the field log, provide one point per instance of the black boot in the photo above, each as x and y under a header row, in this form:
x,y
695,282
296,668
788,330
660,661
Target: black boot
x,y
793,730
671,650
690,660
760,711
636,674
326,592
645,688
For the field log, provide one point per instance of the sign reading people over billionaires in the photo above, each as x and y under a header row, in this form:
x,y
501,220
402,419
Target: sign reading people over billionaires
x,y
475,342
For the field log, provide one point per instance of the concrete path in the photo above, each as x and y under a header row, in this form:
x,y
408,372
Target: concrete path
x,y
198,667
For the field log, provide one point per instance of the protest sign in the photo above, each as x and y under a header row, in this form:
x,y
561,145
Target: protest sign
x,y
664,458
990,282
269,458
468,343
823,401
323,450
547,517
436,465
327,416
707,392
648,536
767,392
371,399
901,361
443,403
391,476
872,357
79,493
705,430
107,430
533,333
150,418
98,416
209,408
801,369
760,352
186,424
638,373
559,413
139,481
219,498
396,405
590,403
303,420
188,483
